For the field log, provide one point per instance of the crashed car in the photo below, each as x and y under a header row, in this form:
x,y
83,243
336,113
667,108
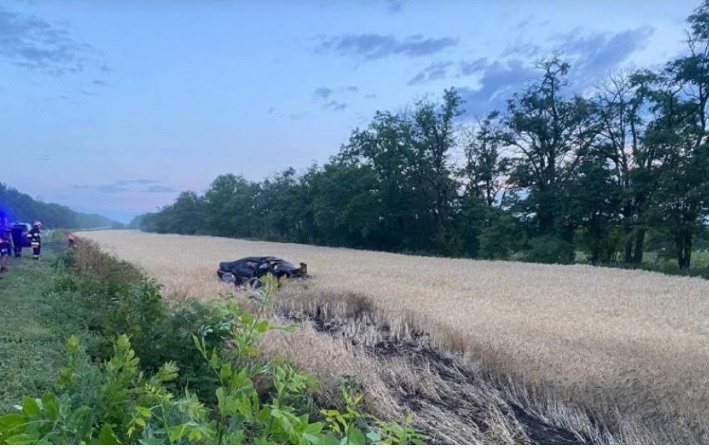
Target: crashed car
x,y
250,270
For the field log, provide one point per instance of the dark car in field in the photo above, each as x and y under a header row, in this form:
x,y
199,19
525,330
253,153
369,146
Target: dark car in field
x,y
249,270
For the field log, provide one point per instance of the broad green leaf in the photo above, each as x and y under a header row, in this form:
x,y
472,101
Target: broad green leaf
x,y
11,421
30,407
22,439
106,436
263,415
329,439
356,437
263,326
374,436
49,401
225,372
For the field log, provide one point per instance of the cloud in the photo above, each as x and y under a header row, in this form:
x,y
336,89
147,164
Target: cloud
x,y
376,46
336,106
498,81
472,67
117,186
159,189
33,43
323,92
394,6
591,56
109,189
435,71
523,49
331,98
596,54
134,182
524,23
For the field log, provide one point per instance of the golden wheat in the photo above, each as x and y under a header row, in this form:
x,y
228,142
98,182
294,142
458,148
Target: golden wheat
x,y
631,339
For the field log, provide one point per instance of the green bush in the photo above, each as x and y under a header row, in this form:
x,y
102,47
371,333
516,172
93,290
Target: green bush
x,y
158,334
114,402
549,249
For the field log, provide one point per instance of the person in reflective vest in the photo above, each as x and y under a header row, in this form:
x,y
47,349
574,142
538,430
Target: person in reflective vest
x,y
36,240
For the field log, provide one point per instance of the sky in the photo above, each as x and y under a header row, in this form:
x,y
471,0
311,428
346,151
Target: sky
x,y
116,106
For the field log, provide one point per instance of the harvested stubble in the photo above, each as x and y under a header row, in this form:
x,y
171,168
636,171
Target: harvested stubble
x,y
607,338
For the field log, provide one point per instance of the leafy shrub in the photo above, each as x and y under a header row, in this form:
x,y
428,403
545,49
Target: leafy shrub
x,y
158,334
114,402
549,249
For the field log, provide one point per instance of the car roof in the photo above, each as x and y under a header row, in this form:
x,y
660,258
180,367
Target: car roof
x,y
257,259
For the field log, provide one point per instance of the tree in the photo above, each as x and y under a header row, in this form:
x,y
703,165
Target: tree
x,y
486,168
619,104
282,207
677,136
229,206
409,152
549,133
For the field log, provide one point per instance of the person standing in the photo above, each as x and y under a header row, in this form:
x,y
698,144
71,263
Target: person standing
x,y
17,232
35,236
4,253
5,244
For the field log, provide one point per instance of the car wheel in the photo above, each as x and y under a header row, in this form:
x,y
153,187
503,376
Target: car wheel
x,y
227,277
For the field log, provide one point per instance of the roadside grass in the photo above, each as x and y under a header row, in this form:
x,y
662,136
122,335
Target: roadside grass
x,y
34,327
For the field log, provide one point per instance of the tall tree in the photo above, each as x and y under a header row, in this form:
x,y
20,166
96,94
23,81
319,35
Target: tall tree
x,y
677,136
409,153
486,168
619,105
550,132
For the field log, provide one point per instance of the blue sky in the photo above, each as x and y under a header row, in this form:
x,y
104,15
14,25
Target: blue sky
x,y
116,106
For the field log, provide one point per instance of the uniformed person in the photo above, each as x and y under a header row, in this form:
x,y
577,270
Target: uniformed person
x,y
35,236
5,244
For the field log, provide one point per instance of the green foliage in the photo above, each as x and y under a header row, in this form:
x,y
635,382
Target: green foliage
x,y
549,249
115,403
500,237
112,303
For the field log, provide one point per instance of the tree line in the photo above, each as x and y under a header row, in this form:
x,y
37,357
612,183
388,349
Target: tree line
x,y
20,207
611,173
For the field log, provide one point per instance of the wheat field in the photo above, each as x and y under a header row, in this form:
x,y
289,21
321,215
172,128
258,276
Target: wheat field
x,y
634,340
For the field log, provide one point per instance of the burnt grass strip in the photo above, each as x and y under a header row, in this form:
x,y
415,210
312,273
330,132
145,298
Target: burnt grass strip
x,y
418,351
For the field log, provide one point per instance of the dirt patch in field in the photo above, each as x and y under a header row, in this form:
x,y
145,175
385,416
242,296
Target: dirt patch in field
x,y
455,391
